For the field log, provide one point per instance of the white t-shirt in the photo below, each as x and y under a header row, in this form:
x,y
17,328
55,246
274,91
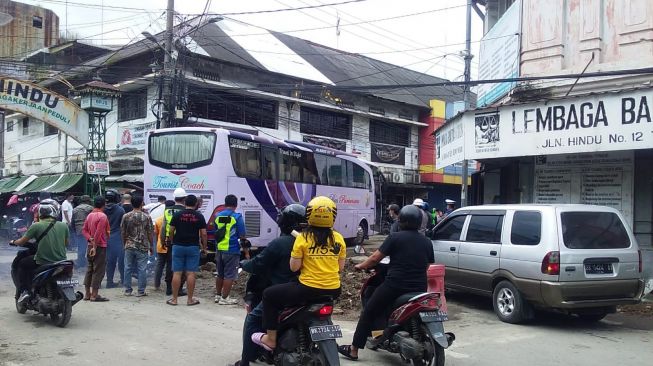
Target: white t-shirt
x,y
66,207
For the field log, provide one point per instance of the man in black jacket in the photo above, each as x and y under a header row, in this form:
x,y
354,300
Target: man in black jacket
x,y
271,267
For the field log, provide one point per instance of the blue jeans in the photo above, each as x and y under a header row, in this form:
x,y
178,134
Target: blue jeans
x,y
79,242
115,256
135,260
253,324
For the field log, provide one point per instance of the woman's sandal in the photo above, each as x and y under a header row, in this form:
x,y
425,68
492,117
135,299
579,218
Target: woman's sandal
x,y
256,338
345,350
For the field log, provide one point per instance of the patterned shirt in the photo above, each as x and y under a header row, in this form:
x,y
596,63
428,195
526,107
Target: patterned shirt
x,y
136,229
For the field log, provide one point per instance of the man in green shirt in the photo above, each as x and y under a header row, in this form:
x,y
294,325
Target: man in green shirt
x,y
51,247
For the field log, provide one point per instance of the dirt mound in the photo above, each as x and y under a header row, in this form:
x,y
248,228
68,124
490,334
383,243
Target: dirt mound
x,y
347,306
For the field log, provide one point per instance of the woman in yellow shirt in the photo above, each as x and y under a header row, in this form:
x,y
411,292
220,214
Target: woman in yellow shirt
x,y
319,253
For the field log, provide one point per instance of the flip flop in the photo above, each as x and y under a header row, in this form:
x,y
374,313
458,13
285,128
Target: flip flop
x,y
169,302
256,338
99,299
345,350
193,303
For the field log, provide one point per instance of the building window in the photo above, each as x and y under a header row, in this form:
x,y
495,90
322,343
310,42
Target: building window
x,y
132,105
10,126
49,130
25,126
324,123
37,22
233,108
389,133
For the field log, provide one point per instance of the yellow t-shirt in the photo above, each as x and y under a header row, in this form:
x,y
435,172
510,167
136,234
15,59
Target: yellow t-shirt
x,y
320,265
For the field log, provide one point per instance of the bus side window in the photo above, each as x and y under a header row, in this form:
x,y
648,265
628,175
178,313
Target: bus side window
x,y
289,165
322,169
368,181
336,171
246,158
269,163
356,175
309,168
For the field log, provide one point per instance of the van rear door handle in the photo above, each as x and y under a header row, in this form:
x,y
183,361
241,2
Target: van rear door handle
x,y
493,252
452,249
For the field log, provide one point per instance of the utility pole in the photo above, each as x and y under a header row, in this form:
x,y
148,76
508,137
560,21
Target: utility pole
x,y
466,94
168,68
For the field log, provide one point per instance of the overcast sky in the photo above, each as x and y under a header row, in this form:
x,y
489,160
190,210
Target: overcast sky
x,y
417,41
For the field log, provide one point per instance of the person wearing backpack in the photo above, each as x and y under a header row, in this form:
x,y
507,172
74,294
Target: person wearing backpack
x,y
179,196
230,229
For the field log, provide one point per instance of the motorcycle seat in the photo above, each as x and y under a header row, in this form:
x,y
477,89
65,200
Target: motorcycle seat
x,y
47,266
401,300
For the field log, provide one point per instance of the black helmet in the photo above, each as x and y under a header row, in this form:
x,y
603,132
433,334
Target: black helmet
x,y
410,217
112,196
291,217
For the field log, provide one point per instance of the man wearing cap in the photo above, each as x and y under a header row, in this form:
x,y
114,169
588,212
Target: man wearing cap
x,y
425,219
450,207
179,195
79,216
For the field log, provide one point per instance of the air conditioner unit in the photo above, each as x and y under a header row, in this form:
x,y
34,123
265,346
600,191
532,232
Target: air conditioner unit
x,y
398,178
413,178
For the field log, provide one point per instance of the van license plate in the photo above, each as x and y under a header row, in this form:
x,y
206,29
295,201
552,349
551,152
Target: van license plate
x,y
324,332
598,268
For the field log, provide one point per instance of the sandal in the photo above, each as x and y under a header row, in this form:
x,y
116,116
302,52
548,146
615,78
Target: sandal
x,y
169,302
98,299
345,350
256,338
194,302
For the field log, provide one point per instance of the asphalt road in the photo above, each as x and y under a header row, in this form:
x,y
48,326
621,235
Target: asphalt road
x,y
146,331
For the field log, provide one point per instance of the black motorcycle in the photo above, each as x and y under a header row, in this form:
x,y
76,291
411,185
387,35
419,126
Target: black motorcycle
x,y
306,335
53,291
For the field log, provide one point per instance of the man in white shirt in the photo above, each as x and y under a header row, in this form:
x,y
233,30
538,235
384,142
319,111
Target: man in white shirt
x,y
67,213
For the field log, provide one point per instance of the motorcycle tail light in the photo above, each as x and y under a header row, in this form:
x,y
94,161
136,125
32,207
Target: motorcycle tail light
x,y
325,310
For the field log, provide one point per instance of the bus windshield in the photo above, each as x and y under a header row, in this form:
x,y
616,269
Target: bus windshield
x,y
181,150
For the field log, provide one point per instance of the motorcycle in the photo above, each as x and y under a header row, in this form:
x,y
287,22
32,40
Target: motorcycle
x,y
53,291
16,227
414,328
307,336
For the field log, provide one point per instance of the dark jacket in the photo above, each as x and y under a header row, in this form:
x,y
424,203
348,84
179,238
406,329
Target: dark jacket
x,y
114,214
273,263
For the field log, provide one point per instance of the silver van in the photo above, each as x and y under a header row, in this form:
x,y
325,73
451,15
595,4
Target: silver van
x,y
579,259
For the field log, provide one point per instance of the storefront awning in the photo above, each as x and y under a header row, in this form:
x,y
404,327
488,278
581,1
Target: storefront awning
x,y
8,185
129,178
52,183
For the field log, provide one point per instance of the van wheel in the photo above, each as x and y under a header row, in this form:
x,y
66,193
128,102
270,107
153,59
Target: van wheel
x,y
509,305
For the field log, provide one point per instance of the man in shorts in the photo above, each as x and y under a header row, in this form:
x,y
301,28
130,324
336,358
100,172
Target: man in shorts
x,y
227,255
188,233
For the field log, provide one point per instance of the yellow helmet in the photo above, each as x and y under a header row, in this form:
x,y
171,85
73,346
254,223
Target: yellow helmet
x,y
321,211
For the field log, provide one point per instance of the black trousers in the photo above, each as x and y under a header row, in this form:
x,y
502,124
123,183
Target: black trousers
x,y
276,298
162,262
377,305
25,271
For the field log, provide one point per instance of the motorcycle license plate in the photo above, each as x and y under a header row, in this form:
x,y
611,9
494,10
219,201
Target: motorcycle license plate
x,y
68,283
433,316
324,332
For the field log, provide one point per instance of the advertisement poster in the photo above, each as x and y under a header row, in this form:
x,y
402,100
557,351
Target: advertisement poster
x,y
388,154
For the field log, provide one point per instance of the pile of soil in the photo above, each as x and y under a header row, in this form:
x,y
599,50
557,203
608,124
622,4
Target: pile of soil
x,y
641,309
348,306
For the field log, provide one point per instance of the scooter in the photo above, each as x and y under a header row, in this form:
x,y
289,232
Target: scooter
x,y
414,328
306,335
53,291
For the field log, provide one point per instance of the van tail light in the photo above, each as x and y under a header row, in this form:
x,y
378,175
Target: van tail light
x,y
325,310
639,254
551,263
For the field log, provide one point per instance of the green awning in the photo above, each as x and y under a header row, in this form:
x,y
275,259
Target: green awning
x,y
39,184
8,185
65,183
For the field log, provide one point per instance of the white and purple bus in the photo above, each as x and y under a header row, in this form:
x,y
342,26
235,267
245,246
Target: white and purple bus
x,y
265,174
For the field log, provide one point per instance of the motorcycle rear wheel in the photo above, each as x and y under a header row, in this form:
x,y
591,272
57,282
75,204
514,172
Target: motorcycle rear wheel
x,y
438,353
62,319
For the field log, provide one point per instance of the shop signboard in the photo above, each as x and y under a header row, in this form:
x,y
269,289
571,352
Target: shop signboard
x,y
604,179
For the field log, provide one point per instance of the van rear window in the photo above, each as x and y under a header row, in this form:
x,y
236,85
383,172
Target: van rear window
x,y
593,230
